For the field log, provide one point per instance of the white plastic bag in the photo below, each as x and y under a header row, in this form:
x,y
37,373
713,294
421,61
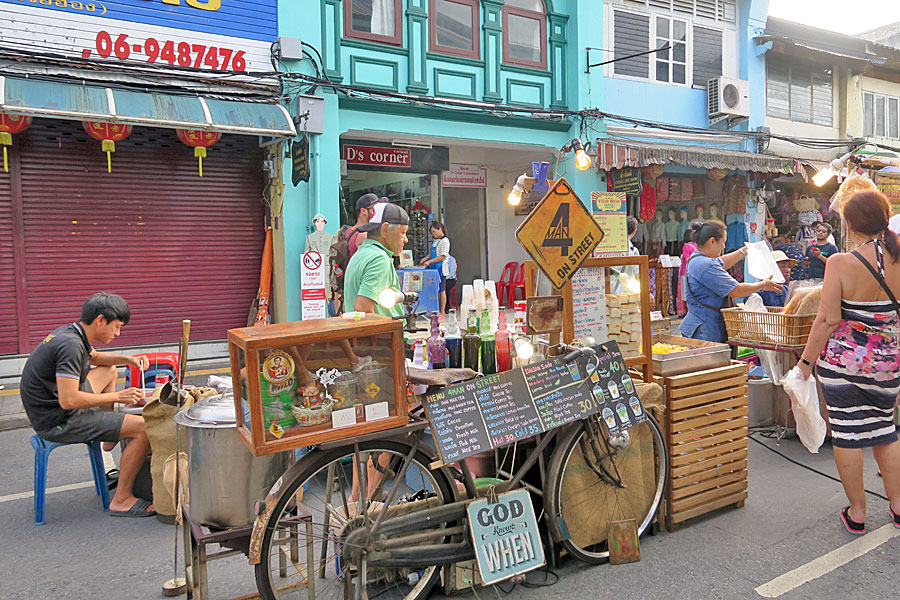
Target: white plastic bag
x,y
805,406
760,263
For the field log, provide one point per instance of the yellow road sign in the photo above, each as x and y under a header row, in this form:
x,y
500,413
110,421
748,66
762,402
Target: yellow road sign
x,y
559,234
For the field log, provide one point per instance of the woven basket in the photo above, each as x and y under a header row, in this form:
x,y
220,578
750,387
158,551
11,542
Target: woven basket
x,y
772,328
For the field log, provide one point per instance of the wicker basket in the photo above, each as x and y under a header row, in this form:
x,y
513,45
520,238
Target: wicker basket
x,y
772,328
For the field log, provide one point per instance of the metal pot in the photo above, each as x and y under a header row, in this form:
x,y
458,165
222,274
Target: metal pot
x,y
225,479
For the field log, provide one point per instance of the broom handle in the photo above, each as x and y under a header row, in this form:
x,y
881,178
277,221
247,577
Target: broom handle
x,y
185,336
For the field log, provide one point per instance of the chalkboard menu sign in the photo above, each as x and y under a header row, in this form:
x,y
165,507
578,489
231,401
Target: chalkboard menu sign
x,y
614,391
494,411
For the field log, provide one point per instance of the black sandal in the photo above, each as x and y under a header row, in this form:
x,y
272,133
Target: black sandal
x,y
895,517
851,525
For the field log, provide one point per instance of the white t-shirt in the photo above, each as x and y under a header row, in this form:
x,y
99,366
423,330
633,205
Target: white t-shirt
x,y
442,248
894,224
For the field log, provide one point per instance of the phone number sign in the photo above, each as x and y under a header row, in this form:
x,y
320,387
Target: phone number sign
x,y
213,35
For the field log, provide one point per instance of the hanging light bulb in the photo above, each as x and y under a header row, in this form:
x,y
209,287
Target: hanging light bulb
x,y
823,176
582,160
524,349
523,184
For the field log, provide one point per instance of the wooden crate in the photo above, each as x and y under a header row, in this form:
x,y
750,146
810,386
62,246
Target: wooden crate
x,y
706,437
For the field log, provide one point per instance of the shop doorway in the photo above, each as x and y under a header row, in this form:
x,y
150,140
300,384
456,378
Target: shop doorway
x,y
466,220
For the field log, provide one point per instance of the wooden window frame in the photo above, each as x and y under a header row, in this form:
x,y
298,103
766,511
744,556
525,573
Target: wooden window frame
x,y
433,46
391,40
542,19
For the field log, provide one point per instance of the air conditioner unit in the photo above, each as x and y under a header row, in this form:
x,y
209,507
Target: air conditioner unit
x,y
728,97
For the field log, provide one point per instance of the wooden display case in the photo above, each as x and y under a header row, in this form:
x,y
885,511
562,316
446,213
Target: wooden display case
x,y
294,386
592,301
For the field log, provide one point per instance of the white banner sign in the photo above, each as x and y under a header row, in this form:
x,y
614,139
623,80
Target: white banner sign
x,y
465,176
313,304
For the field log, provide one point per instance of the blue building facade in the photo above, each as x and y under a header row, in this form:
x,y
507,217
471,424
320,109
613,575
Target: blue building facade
x,y
440,104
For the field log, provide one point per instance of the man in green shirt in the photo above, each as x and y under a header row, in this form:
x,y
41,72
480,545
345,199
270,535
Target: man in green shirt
x,y
371,269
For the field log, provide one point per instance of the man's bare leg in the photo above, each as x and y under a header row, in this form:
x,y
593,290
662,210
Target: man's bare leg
x,y
133,457
103,381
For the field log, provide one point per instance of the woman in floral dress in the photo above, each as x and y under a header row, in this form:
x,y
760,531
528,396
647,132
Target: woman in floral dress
x,y
858,328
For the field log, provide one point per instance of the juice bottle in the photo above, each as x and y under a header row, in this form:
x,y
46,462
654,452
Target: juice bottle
x,y
488,345
504,344
453,341
437,350
471,342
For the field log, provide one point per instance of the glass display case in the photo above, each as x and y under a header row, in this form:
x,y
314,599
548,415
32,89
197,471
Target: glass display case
x,y
308,382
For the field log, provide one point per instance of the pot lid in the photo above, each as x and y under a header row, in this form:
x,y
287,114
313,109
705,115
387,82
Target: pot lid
x,y
211,412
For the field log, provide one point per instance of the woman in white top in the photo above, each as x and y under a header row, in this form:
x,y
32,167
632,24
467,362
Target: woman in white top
x,y
440,250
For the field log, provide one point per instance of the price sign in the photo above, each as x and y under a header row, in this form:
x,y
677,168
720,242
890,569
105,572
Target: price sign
x,y
313,304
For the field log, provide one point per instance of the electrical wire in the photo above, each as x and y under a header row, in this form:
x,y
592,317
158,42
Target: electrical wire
x,y
765,433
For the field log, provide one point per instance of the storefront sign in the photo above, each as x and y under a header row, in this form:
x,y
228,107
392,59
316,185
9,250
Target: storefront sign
x,y
376,156
505,536
609,213
626,180
465,176
222,35
313,304
559,234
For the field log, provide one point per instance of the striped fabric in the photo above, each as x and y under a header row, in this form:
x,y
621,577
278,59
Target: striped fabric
x,y
860,375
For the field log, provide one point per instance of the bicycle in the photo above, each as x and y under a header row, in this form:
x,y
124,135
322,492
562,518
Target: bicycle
x,y
395,546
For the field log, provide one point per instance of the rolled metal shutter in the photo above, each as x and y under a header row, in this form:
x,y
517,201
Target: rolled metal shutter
x,y
9,341
173,244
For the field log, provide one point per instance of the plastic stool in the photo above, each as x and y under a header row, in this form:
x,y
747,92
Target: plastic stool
x,y
42,450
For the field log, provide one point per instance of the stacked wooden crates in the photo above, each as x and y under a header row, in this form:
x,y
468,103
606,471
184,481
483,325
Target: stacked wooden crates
x,y
706,436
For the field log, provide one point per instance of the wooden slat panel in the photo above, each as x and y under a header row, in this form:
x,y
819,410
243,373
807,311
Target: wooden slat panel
x,y
709,444
711,425
684,515
710,496
696,390
680,381
724,477
700,456
708,463
680,416
675,406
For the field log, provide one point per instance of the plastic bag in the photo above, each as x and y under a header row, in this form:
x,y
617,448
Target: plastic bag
x,y
805,406
760,263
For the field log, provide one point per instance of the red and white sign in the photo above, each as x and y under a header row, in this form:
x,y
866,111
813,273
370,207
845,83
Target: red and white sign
x,y
465,176
313,304
376,156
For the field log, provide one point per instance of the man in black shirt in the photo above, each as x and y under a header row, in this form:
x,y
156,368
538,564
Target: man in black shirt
x,y
62,395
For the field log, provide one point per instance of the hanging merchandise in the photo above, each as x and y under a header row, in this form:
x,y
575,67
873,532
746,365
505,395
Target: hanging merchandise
x,y
662,189
418,227
716,174
687,190
735,191
648,203
699,188
108,134
9,125
198,140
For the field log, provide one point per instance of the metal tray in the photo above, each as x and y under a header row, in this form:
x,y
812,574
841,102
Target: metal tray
x,y
701,356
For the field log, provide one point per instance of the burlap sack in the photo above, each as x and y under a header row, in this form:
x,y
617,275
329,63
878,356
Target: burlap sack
x,y
161,431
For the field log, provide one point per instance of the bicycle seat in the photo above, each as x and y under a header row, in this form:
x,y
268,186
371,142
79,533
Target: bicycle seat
x,y
439,377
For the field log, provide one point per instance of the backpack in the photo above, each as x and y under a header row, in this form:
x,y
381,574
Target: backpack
x,y
339,256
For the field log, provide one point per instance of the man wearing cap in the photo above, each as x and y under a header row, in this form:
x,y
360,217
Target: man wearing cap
x,y
364,210
785,265
371,270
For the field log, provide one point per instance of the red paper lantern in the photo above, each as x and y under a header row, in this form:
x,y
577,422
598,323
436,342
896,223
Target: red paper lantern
x,y
108,134
199,140
10,124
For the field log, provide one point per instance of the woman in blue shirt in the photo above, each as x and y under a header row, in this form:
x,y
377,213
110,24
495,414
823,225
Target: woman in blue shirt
x,y
708,283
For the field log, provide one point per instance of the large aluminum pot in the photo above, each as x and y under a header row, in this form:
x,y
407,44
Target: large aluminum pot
x,y
225,479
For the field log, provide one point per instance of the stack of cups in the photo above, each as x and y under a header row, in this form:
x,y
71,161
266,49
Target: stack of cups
x,y
519,307
490,288
478,287
467,304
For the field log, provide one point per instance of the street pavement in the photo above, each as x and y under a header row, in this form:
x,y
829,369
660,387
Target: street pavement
x,y
790,519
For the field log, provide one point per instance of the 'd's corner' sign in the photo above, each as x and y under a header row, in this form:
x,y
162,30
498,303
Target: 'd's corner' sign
x,y
559,234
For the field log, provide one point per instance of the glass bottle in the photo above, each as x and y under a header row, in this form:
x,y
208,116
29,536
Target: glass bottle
x,y
504,344
488,345
453,341
437,350
471,342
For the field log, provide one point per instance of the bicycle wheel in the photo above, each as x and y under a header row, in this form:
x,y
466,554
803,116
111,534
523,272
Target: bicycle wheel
x,y
314,515
594,483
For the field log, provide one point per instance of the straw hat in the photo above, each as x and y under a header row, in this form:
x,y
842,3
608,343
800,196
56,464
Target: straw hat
x,y
780,256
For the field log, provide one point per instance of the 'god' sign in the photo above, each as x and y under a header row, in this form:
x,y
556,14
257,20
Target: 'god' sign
x,y
505,535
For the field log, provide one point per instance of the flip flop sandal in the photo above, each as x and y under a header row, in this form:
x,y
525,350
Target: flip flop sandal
x,y
138,510
895,517
851,525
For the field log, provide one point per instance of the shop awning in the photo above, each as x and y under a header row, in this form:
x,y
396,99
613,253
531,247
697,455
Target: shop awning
x,y
621,154
42,98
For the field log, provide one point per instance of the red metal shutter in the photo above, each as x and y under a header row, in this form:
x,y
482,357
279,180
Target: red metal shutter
x,y
9,342
174,245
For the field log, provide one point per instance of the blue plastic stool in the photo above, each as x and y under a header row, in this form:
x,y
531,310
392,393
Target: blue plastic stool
x,y
42,450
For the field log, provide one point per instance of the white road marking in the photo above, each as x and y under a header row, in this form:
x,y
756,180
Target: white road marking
x,y
828,562
53,490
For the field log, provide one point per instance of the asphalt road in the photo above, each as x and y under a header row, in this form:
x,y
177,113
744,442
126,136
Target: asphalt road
x,y
789,520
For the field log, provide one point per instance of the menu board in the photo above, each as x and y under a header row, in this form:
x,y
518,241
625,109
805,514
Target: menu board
x,y
614,391
589,303
609,213
486,413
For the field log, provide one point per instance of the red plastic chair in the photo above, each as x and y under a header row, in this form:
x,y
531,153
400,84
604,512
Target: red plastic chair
x,y
162,360
505,281
517,284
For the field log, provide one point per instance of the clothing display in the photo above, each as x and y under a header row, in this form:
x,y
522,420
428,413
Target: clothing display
x,y
648,203
672,228
662,189
735,191
737,236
